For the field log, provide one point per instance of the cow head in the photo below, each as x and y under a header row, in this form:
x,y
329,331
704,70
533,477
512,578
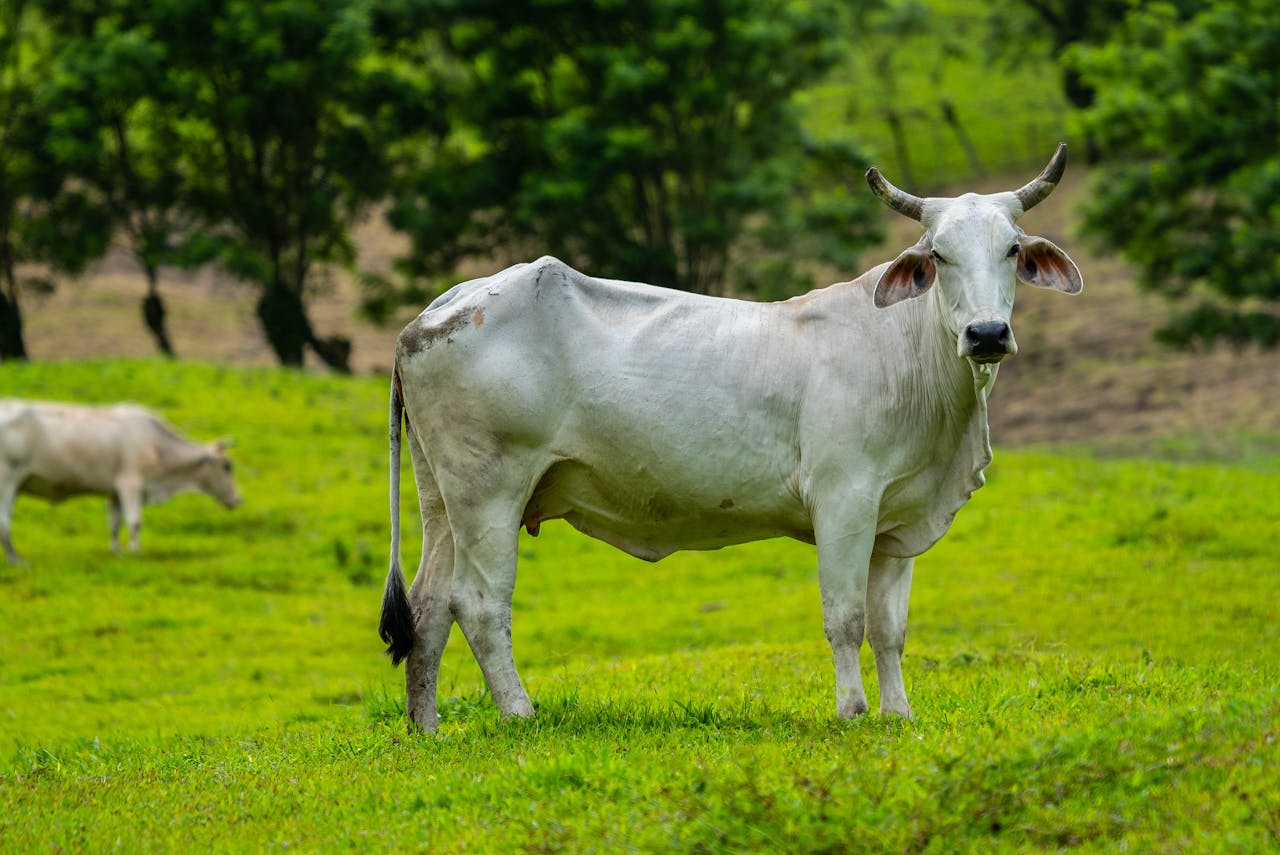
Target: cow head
x,y
213,474
972,253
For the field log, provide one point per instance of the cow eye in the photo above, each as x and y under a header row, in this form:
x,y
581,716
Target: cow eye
x,y
936,257
1013,250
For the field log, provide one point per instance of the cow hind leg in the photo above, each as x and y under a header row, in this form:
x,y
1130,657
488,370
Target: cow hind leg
x,y
113,522
429,597
484,580
8,494
129,498
888,590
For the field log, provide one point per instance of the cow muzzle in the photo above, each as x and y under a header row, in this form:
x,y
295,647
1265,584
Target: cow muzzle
x,y
987,341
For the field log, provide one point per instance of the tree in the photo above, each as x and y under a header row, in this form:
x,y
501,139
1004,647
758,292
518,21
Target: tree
x,y
288,112
882,59
1188,114
20,123
1064,24
43,217
113,131
654,140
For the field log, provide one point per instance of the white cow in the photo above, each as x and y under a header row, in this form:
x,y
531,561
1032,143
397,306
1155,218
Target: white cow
x,y
123,452
853,417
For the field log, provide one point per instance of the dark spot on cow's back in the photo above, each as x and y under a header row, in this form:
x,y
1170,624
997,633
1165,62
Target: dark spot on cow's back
x,y
423,334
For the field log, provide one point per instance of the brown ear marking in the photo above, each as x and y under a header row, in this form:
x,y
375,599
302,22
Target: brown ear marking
x,y
1041,264
910,275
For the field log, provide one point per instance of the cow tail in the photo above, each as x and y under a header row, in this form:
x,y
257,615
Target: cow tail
x,y
396,625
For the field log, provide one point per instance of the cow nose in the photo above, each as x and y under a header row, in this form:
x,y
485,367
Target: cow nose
x,y
988,341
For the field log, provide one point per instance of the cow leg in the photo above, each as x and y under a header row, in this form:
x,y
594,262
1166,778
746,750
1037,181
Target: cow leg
x,y
113,522
842,577
888,589
8,494
129,497
429,598
484,581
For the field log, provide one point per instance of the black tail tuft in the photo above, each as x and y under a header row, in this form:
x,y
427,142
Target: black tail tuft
x,y
396,626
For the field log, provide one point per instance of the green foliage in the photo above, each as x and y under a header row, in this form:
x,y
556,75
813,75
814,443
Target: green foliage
x,y
113,114
289,115
654,140
23,61
704,146
922,90
1090,661
256,132
1016,25
1188,112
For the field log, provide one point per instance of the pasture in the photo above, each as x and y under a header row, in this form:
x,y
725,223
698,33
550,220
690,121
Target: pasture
x,y
1091,659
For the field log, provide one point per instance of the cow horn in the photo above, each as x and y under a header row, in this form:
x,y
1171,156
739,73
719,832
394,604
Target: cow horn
x,y
1042,185
900,200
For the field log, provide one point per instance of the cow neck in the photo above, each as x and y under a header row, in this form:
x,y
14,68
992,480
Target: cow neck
x,y
960,390
950,407
176,458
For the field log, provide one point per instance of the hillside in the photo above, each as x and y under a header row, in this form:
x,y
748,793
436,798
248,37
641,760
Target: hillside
x,y
1087,371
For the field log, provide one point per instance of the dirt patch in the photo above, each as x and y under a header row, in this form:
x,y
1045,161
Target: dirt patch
x,y
1087,367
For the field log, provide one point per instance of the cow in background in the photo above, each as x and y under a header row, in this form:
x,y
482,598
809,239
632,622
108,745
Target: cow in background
x,y
124,452
853,418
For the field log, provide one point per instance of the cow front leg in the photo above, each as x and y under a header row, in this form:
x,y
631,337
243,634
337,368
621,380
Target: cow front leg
x,y
842,579
888,590
129,499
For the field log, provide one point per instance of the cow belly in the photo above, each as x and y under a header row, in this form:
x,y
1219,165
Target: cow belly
x,y
655,541
651,522
55,490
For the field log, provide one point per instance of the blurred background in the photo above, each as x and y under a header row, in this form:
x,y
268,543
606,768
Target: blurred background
x,y
283,182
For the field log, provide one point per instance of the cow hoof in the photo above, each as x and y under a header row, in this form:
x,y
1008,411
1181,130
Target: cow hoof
x,y
423,721
852,709
520,709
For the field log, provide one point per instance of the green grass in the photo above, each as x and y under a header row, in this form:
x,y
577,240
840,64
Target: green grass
x,y
1091,661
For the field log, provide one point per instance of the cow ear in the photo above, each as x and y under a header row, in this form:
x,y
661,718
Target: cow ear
x,y
1043,265
910,275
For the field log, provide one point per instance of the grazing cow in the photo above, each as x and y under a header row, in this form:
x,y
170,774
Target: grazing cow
x,y
853,418
123,452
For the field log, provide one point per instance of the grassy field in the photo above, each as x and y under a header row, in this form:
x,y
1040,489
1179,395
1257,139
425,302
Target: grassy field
x,y
1091,661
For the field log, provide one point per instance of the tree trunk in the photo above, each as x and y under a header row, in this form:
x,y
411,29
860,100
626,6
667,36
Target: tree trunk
x,y
906,177
153,314
284,321
335,350
11,344
1082,95
288,330
953,121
